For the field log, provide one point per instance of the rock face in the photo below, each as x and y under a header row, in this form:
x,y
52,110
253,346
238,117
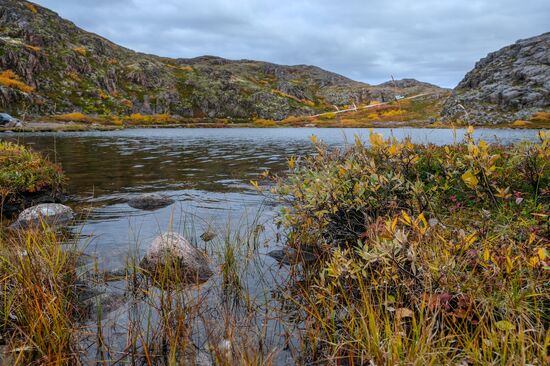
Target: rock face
x,y
53,214
66,69
150,201
172,259
510,84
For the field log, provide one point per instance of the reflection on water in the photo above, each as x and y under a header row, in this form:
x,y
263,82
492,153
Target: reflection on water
x,y
207,173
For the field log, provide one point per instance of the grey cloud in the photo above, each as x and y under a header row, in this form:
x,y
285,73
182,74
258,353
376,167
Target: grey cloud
x,y
432,40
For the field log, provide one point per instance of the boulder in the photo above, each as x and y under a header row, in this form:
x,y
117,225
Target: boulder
x,y
172,259
150,201
52,214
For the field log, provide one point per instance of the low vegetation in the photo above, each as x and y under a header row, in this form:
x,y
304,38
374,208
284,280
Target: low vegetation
x,y
428,254
24,172
10,79
39,310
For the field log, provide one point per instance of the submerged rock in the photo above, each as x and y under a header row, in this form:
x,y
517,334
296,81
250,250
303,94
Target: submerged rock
x,y
172,259
291,256
52,214
150,201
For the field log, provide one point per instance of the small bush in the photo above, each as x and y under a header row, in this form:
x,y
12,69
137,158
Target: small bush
x,y
23,171
31,7
82,51
520,123
74,117
11,80
264,123
541,117
327,116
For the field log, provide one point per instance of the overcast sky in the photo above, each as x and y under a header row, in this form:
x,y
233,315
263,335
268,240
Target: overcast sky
x,y
436,41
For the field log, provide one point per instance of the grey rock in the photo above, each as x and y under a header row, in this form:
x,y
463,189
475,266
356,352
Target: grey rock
x,y
172,259
53,214
290,256
150,201
509,84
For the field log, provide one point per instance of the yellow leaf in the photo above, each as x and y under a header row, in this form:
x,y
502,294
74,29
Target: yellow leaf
x,y
255,184
291,163
486,255
406,218
314,139
542,253
470,179
470,129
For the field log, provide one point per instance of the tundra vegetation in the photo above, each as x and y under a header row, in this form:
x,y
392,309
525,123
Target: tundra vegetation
x,y
24,173
424,255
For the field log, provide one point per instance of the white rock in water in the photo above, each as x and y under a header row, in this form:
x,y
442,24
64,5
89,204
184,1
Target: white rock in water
x,y
171,258
52,214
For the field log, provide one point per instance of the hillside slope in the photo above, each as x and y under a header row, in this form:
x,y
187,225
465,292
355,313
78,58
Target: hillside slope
x,y
510,84
49,66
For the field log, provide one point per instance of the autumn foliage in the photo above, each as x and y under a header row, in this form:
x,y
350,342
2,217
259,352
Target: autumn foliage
x,y
433,254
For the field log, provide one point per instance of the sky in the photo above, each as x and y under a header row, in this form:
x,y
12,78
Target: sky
x,y
436,41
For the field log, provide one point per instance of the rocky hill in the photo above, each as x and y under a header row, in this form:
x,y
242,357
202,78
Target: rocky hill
x,y
510,84
49,66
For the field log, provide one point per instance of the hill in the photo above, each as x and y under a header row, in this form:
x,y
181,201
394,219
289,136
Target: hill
x,y
49,66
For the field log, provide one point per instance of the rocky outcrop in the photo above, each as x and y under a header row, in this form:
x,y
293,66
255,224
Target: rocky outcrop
x,y
52,214
71,70
171,259
510,84
150,201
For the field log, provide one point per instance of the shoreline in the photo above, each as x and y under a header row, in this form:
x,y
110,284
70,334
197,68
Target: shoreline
x,y
37,127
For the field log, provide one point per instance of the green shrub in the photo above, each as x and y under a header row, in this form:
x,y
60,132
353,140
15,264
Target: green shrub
x,y
427,253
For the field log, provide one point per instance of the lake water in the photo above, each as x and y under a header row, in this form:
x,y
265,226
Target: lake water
x,y
207,172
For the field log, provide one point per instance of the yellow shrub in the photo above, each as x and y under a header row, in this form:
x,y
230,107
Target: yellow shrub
x,y
117,121
328,116
74,117
541,117
372,116
138,118
11,80
264,123
81,51
520,123
393,113
103,95
32,8
74,76
127,103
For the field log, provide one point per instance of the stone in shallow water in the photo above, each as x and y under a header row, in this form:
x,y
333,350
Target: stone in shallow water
x,y
150,201
290,256
53,214
172,259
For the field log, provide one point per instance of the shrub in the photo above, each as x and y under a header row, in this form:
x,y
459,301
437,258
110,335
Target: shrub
x,y
520,123
138,118
393,113
31,7
541,117
427,253
74,117
81,51
327,116
264,123
11,80
23,171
